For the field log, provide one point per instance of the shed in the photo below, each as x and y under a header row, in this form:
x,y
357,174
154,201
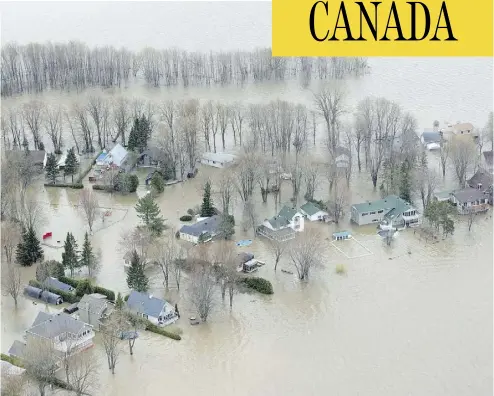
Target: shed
x,y
342,235
442,196
43,295
54,283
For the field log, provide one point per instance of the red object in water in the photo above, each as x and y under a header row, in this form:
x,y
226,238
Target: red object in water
x,y
47,235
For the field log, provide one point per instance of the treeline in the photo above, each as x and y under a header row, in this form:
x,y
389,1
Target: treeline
x,y
37,67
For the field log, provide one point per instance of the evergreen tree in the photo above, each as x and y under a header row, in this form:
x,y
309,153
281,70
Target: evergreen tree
x,y
227,226
150,214
136,278
84,287
70,256
52,168
133,141
207,209
405,182
157,183
88,259
71,164
145,133
25,144
29,248
119,302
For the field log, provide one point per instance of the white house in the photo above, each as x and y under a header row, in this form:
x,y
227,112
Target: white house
x,y
156,310
218,160
313,213
66,332
286,218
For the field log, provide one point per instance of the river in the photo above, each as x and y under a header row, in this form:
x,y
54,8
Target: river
x,y
395,324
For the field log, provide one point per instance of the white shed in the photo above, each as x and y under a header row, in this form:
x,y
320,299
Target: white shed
x,y
218,160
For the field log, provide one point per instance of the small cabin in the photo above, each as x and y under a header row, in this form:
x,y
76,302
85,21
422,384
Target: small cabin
x,y
342,235
250,266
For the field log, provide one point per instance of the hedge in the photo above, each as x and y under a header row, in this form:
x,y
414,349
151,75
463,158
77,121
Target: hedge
x,y
186,218
12,360
67,297
110,295
99,187
76,186
158,330
258,284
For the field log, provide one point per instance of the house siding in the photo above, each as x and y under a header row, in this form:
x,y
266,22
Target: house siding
x,y
365,218
189,238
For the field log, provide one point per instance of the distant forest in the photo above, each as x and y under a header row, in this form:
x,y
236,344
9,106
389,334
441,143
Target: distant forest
x,y
37,67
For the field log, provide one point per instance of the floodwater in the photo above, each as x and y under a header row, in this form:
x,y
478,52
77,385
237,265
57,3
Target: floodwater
x,y
395,324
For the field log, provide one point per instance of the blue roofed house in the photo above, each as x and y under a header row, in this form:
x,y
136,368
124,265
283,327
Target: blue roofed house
x,y
156,310
204,229
389,212
431,139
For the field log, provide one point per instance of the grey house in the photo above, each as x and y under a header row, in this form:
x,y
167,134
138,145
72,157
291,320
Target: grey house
x,y
92,309
156,310
389,212
54,283
17,349
207,228
482,181
470,200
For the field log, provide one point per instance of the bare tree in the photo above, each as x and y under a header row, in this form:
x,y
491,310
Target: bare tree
x,y
82,118
13,384
31,214
445,151
278,248
463,157
178,267
338,201
202,290
236,113
246,174
40,362
426,181
139,239
53,126
110,335
121,117
11,280
488,131
89,206
222,120
11,236
330,106
98,109
311,173
250,218
83,373
167,252
305,253
33,117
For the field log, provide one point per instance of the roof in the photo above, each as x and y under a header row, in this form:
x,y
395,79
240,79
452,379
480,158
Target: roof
x,y
480,177
468,195
42,317
209,225
17,349
152,152
463,126
57,324
287,212
56,284
220,157
340,150
400,207
431,136
32,291
62,159
278,222
94,304
388,202
243,257
116,155
102,156
342,234
146,304
310,209
10,369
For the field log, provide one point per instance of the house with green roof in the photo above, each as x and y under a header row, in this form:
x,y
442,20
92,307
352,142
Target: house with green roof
x,y
389,212
312,212
284,225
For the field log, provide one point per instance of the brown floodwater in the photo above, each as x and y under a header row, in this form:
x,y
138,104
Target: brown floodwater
x,y
394,324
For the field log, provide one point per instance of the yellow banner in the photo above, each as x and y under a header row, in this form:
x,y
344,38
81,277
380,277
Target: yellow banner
x,y
382,28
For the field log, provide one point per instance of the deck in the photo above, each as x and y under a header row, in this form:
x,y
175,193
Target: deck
x,y
283,235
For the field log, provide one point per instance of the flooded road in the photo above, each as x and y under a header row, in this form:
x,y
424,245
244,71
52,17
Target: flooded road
x,y
395,324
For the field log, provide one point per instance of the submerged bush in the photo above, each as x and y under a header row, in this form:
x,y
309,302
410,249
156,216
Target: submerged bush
x,y
159,330
260,285
186,218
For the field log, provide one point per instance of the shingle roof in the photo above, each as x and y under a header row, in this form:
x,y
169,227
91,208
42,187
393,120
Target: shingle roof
x,y
431,136
57,324
146,304
310,208
56,284
116,155
287,212
95,305
42,317
17,349
480,177
388,202
278,222
468,195
209,225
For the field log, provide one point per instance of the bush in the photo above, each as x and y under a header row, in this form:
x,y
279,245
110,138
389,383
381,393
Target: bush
x,y
76,186
84,287
99,187
157,182
158,330
190,212
186,218
260,285
126,298
110,295
133,183
69,281
67,297
12,360
177,235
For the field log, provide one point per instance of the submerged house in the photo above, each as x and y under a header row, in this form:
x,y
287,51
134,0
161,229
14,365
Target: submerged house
x,y
43,295
431,139
218,160
283,226
470,200
156,310
389,212
313,213
66,332
202,230
93,309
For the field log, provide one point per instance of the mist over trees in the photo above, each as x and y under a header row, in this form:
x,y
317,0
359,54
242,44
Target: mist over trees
x,y
37,67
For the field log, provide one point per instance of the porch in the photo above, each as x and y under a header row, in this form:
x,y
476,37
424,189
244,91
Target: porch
x,y
473,208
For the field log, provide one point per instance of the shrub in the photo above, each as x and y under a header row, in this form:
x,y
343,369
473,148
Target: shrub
x,y
340,269
12,360
69,281
158,330
84,287
177,235
77,186
186,218
133,183
126,298
190,212
99,187
67,297
157,182
258,284
110,295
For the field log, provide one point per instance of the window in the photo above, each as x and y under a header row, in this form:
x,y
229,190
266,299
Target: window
x,y
380,211
372,213
214,162
364,214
